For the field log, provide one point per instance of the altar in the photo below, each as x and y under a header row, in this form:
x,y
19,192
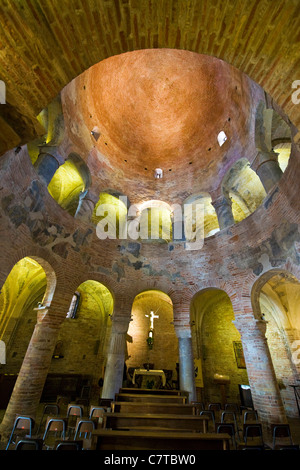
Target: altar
x,y
150,377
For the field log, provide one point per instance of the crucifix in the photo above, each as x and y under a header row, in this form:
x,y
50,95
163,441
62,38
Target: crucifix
x,y
152,316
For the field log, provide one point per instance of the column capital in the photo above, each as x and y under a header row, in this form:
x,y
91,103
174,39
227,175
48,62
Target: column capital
x,y
263,157
221,201
120,325
183,331
52,151
86,205
223,208
91,196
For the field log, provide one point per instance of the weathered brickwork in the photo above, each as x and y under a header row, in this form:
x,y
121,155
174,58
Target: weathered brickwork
x,y
44,46
40,40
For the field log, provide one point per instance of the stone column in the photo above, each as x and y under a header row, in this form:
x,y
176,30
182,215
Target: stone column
x,y
31,379
86,206
114,370
47,164
267,168
223,209
264,387
186,363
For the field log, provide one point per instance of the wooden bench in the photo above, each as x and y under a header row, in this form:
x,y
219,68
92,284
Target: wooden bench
x,y
104,439
153,391
150,398
169,422
152,408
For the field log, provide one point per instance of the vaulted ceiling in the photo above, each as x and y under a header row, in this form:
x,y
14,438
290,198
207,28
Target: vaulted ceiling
x,y
45,44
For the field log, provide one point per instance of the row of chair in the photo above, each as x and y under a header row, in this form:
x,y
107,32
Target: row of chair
x,y
244,428
37,444
53,425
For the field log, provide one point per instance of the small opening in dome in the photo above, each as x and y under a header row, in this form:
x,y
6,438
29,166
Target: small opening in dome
x,y
222,137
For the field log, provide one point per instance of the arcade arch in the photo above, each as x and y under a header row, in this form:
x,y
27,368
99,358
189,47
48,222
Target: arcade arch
x,y
162,353
217,344
275,299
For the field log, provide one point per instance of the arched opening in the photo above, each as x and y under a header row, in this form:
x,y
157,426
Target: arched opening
x,y
217,347
275,299
271,131
81,343
109,215
207,223
243,186
154,222
28,288
284,152
52,121
152,342
70,182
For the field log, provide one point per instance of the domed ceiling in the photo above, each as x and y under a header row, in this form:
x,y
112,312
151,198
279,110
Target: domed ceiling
x,y
162,108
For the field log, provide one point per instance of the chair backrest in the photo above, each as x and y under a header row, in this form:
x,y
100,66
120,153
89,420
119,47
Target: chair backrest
x,y
229,416
209,413
24,423
29,444
74,410
214,406
84,426
227,428
253,430
85,391
68,445
232,407
51,409
57,425
250,415
96,412
197,407
281,431
199,404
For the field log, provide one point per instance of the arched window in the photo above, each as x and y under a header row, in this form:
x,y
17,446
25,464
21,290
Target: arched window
x,y
244,188
209,224
69,182
109,216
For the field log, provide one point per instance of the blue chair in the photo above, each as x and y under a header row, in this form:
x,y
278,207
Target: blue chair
x,y
55,428
84,426
22,425
29,444
68,445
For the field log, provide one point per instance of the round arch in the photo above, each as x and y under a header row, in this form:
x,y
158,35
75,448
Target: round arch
x,y
152,337
267,65
94,299
242,185
70,182
217,346
26,293
283,273
47,267
210,222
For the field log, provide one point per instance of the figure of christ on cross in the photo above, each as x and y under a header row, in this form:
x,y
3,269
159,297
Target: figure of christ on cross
x,y
152,316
